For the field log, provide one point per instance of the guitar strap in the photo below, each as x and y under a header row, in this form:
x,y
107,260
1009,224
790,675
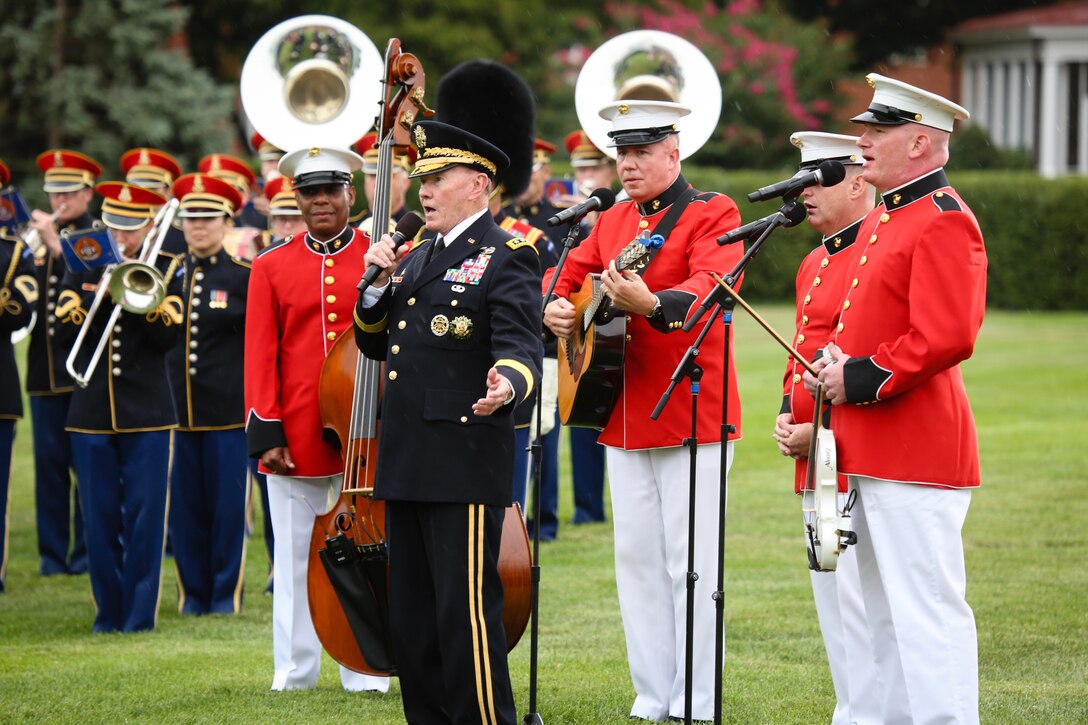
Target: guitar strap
x,y
665,226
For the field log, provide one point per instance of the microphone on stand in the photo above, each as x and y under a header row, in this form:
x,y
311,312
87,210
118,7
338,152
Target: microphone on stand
x,y
828,173
793,215
599,200
407,228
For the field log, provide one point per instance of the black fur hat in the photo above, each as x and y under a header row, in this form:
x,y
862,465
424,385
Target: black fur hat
x,y
490,100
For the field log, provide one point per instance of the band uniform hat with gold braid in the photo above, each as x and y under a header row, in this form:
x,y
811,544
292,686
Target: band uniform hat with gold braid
x,y
127,206
817,146
494,103
265,151
5,175
319,165
230,169
281,197
367,147
203,195
442,146
150,168
895,103
582,151
66,170
542,153
639,123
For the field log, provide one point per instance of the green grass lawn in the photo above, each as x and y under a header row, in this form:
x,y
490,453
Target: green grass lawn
x,y
1027,562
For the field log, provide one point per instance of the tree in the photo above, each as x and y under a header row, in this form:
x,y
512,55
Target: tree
x,y
100,78
904,29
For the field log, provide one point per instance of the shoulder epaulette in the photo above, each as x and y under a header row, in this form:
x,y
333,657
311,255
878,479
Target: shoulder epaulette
x,y
946,202
705,195
521,228
241,262
276,244
519,242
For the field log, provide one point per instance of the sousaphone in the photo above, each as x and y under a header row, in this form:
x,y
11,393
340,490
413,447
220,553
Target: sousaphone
x,y
311,80
649,65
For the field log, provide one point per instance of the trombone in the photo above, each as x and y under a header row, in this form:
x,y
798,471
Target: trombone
x,y
137,286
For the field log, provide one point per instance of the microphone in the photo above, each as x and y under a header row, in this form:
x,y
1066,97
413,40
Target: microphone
x,y
407,228
828,173
599,200
792,215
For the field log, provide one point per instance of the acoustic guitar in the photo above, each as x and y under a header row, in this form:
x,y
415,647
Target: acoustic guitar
x,y
591,361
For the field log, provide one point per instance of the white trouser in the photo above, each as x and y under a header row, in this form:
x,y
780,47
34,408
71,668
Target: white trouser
x,y
296,651
913,580
650,510
845,629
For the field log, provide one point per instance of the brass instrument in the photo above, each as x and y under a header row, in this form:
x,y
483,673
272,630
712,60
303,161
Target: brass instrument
x,y
312,80
649,65
33,238
136,286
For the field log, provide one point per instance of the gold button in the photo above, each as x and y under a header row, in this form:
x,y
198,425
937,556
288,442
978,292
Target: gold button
x,y
824,263
885,217
846,305
332,317
627,318
401,325
800,339
816,282
643,224
411,301
464,418
331,336
330,299
939,194
854,283
395,349
864,260
840,327
453,303
392,374
796,378
330,279
808,298
329,263
804,319
872,239
627,338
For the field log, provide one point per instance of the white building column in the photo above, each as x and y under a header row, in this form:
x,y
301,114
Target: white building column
x,y
1052,120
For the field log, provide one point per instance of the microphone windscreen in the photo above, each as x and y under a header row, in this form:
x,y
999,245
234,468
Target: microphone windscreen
x,y
831,172
606,196
795,214
409,225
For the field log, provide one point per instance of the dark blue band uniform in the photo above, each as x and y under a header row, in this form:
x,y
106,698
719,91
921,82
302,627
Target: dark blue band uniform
x,y
60,543
121,431
18,294
209,475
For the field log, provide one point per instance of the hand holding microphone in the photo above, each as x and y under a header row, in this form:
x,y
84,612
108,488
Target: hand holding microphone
x,y
407,228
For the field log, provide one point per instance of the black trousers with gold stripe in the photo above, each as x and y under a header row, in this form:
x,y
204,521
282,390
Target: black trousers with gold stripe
x,y
446,602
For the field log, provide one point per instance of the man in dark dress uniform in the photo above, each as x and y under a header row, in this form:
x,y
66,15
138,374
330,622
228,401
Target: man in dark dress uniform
x,y
69,182
121,423
458,323
18,294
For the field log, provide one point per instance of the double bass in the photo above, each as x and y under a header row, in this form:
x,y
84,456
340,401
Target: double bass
x,y
350,537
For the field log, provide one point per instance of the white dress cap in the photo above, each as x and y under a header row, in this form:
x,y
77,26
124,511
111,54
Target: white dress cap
x,y
637,123
816,146
320,165
895,102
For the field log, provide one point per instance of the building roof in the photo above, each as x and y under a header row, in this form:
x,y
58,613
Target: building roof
x,y
1060,15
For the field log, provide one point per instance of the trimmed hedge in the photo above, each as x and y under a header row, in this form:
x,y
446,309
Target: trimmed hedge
x,y
1035,230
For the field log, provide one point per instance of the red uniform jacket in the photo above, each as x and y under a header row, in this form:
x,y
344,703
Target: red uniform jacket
x,y
680,276
301,298
913,308
820,281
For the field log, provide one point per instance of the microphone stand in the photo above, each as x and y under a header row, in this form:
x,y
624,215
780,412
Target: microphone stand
x,y
725,303
532,717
